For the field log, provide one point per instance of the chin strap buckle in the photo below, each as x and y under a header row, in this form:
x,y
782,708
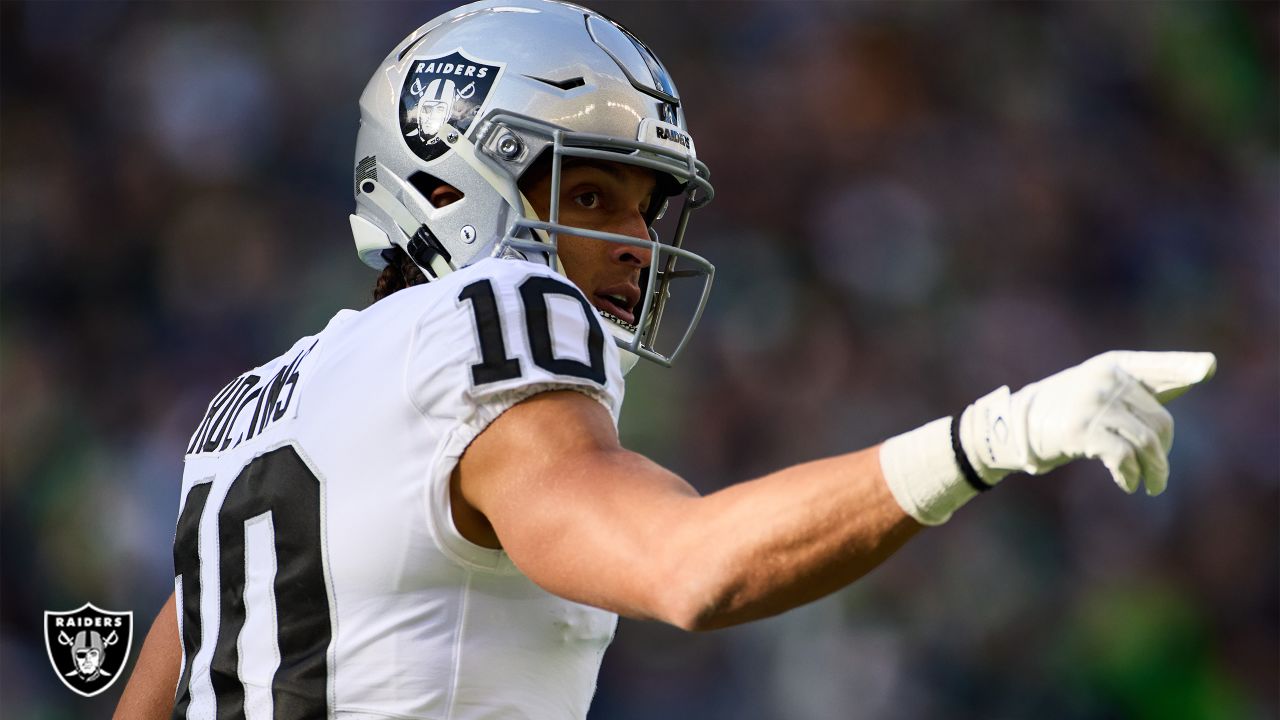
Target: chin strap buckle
x,y
429,253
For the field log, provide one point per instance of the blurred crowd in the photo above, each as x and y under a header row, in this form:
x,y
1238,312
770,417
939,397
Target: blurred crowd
x,y
916,203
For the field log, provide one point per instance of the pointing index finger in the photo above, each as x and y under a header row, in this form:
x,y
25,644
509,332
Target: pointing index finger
x,y
1166,374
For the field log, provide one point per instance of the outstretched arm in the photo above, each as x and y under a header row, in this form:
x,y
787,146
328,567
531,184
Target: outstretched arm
x,y
150,692
592,522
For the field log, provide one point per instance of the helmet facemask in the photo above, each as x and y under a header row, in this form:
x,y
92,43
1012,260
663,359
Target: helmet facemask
x,y
533,237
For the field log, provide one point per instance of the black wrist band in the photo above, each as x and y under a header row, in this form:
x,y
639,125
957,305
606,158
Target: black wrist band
x,y
966,468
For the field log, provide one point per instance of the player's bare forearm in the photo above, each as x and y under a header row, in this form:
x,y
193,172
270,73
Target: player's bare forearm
x,y
797,535
593,522
150,692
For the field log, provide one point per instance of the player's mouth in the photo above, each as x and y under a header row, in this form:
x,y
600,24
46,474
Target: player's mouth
x,y
618,303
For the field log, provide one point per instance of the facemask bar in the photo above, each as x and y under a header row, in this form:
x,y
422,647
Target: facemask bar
x,y
663,256
698,192
684,167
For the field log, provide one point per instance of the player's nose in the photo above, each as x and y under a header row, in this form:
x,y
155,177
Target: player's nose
x,y
635,255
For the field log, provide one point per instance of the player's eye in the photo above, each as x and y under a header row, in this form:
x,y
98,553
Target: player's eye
x,y
589,200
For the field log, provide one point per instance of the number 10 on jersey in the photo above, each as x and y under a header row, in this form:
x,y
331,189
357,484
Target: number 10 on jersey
x,y
270,640
495,365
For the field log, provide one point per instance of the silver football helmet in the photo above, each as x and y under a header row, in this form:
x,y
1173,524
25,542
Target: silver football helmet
x,y
475,97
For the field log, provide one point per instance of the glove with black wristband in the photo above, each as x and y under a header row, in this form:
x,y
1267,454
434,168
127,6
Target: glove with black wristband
x,y
1110,408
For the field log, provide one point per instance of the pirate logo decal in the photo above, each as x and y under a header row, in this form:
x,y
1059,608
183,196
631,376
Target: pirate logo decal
x,y
88,646
441,94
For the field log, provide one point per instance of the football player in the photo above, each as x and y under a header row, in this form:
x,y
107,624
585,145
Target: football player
x,y
424,510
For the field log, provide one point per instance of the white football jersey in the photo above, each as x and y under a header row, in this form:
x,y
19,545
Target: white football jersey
x,y
318,569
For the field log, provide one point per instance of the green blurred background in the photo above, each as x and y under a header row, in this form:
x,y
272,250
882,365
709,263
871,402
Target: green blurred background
x,y
917,202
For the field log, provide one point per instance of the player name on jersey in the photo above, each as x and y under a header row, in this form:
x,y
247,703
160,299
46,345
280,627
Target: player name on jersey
x,y
217,431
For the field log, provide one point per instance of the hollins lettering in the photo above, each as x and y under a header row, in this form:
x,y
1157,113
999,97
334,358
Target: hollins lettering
x,y
216,431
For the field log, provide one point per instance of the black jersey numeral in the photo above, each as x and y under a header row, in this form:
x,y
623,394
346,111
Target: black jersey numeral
x,y
533,294
281,486
494,364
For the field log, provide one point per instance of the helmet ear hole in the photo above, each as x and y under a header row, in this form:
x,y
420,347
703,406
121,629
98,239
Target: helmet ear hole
x,y
436,191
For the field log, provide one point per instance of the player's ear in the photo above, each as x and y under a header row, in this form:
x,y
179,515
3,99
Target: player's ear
x,y
444,194
437,192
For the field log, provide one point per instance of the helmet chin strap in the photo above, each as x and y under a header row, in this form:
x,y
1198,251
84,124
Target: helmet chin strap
x,y
423,246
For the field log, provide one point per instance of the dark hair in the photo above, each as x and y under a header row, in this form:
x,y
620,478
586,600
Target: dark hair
x,y
399,274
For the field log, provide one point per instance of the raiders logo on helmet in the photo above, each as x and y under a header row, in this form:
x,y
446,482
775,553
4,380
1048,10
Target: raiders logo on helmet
x,y
88,646
439,91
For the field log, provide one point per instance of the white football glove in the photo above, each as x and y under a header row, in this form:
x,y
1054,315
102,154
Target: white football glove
x,y
1108,408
